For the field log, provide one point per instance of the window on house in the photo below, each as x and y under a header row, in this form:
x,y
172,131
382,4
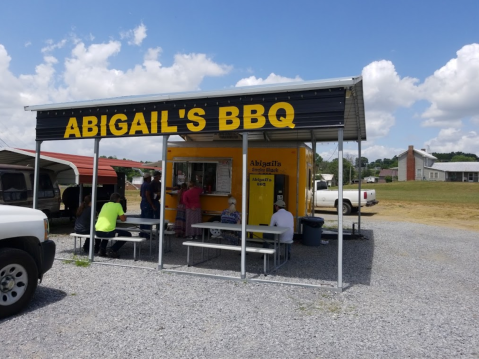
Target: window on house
x,y
436,175
419,173
431,175
14,187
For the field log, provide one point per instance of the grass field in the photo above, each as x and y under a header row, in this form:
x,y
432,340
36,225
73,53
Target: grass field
x,y
437,203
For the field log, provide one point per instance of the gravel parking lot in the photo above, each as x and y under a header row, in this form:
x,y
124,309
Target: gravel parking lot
x,y
411,292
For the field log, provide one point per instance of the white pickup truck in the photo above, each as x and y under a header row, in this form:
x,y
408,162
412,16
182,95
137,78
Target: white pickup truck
x,y
26,254
325,197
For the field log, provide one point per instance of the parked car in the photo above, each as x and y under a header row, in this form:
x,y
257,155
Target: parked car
x,y
26,254
16,188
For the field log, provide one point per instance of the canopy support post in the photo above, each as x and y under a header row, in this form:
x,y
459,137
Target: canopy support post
x,y
313,143
162,200
94,186
36,174
244,206
340,209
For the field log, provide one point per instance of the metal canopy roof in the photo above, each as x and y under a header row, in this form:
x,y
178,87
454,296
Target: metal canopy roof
x,y
70,169
354,115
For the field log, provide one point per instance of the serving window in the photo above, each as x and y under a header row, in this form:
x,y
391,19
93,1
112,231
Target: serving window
x,y
214,176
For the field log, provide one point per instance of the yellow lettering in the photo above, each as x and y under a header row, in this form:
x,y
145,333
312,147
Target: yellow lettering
x,y
121,128
251,112
103,126
154,122
287,120
72,128
228,118
194,115
164,123
139,124
89,126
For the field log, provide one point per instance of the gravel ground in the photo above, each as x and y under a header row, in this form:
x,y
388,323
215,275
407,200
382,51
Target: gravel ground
x,y
410,292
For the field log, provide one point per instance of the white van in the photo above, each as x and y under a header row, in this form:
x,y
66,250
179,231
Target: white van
x,y
16,189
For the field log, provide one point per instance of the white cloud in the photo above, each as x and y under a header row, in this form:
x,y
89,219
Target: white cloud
x,y
454,140
384,92
452,90
135,36
271,79
86,74
52,46
377,151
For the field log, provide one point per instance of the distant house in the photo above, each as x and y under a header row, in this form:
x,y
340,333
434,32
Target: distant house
x,y
418,165
371,179
387,172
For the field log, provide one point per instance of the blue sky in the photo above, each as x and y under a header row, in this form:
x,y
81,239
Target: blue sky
x,y
419,60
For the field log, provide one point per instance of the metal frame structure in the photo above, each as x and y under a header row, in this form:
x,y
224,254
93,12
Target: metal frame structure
x,y
337,115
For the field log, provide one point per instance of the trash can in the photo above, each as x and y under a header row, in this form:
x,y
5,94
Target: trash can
x,y
312,230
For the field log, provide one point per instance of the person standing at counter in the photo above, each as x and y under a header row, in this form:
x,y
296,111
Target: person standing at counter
x,y
145,206
153,194
191,200
180,220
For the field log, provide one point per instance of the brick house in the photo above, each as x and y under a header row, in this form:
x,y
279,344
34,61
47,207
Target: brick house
x,y
418,165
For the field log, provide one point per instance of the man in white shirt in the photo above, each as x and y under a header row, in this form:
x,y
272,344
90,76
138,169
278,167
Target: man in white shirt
x,y
283,218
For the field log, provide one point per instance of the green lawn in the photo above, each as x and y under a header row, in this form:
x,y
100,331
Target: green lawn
x,y
426,192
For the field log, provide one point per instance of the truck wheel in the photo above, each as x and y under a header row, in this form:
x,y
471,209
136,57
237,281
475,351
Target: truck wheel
x,y
346,208
18,280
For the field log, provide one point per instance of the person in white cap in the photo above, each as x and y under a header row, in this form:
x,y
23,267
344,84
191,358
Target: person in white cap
x,y
283,218
231,215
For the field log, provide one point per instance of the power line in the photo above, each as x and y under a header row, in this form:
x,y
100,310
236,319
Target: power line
x,y
4,142
334,151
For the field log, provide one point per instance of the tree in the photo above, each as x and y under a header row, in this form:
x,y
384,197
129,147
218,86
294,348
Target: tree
x,y
318,162
347,169
364,162
462,158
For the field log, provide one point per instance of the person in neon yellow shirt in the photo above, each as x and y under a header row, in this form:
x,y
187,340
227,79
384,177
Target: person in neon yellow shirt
x,y
105,226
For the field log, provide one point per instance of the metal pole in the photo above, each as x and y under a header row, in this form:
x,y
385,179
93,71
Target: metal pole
x,y
244,206
162,202
314,176
94,186
359,187
36,174
340,208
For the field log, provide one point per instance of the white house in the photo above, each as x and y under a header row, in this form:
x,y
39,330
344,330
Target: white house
x,y
418,165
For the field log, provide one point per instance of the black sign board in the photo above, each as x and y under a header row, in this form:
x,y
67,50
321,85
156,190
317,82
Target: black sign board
x,y
259,112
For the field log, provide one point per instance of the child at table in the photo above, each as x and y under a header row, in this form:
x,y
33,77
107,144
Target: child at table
x,y
231,215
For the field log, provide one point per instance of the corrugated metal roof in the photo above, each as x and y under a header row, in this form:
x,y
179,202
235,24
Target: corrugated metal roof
x,y
456,166
70,169
353,117
422,153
